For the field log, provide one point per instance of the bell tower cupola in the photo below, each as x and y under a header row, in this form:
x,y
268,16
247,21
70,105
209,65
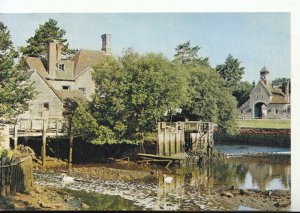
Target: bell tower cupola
x,y
264,74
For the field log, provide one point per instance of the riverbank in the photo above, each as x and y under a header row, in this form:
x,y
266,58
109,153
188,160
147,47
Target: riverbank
x,y
49,198
256,136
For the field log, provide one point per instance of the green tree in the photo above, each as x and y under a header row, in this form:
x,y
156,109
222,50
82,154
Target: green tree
x,y
282,83
231,71
15,90
82,123
134,91
48,32
242,92
210,99
186,54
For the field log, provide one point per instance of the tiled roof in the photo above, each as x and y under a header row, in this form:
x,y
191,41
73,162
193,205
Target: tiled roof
x,y
36,64
73,94
272,90
278,99
84,59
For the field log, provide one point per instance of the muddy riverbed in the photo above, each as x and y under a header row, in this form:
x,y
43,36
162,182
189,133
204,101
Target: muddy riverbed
x,y
247,183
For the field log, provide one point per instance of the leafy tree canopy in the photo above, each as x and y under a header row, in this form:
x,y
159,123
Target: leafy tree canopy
x,y
231,71
242,92
211,99
134,91
48,32
15,91
282,83
186,54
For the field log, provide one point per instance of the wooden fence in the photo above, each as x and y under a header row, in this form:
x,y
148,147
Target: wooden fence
x,y
15,175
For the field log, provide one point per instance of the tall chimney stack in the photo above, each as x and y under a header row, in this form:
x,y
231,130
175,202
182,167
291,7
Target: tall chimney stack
x,y
52,56
106,43
58,51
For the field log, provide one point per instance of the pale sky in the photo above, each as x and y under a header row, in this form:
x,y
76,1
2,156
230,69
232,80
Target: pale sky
x,y
256,39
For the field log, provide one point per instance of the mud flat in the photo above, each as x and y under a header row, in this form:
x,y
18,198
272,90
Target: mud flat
x,y
129,186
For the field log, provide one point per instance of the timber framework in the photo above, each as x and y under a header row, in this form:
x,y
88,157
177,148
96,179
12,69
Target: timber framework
x,y
181,142
45,128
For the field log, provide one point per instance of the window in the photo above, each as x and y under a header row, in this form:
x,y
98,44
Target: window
x,y
66,87
46,106
276,111
242,111
284,110
256,97
82,90
60,67
262,97
269,110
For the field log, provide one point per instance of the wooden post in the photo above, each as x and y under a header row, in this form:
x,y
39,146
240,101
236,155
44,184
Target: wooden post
x,y
15,136
44,138
71,144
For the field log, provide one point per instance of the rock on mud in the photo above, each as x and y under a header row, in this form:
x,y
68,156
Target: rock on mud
x,y
227,194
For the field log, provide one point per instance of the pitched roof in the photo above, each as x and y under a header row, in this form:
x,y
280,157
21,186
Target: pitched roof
x,y
272,90
49,85
73,94
84,59
278,99
37,64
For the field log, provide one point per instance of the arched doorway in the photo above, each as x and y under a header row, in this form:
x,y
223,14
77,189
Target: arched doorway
x,y
260,110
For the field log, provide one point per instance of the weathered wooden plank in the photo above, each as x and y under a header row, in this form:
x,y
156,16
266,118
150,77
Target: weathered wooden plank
x,y
173,143
167,145
161,143
178,142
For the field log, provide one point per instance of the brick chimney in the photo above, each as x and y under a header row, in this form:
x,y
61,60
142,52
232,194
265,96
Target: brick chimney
x,y
106,43
54,54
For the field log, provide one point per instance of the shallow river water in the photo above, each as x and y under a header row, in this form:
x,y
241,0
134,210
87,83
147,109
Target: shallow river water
x,y
190,189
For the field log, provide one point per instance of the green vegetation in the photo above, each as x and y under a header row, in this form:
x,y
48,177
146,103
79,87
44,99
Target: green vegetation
x,y
15,90
232,72
282,83
253,139
265,123
186,54
133,92
37,44
101,202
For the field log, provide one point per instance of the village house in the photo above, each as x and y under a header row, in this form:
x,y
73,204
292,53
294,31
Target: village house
x,y
266,101
57,79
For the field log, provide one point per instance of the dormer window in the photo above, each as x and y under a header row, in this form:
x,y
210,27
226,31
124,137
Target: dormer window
x,y
66,87
60,67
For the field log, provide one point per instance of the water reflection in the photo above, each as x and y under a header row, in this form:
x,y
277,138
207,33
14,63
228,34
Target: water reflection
x,y
191,188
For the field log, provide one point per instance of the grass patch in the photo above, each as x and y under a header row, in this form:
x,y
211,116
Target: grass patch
x,y
265,123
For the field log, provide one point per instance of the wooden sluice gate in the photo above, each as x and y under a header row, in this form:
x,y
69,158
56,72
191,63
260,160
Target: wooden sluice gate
x,y
183,143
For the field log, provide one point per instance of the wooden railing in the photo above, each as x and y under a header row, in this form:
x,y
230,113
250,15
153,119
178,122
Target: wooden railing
x,y
32,127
